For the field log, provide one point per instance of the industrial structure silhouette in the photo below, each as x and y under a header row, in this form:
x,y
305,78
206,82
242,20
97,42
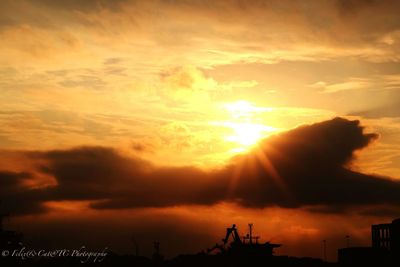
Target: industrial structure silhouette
x,y
385,249
235,250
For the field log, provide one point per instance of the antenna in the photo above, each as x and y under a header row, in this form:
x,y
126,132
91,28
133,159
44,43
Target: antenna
x,y
250,235
347,241
136,245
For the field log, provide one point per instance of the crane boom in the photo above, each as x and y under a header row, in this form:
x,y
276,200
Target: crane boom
x,y
232,231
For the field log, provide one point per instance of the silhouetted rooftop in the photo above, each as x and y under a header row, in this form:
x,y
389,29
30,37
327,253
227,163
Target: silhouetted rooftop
x,y
396,221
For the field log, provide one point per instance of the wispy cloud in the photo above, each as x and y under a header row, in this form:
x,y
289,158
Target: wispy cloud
x,y
350,84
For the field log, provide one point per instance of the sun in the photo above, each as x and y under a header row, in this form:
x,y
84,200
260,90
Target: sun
x,y
247,134
246,124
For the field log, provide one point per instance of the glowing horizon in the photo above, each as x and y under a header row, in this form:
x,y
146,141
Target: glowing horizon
x,y
154,115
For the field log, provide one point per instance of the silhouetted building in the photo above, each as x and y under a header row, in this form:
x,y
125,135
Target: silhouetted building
x,y
385,250
363,256
386,236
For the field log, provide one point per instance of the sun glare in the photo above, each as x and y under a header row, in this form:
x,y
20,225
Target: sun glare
x,y
246,125
242,109
247,134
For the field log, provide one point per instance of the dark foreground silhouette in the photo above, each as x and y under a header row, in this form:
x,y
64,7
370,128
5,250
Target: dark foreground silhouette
x,y
385,249
197,260
234,250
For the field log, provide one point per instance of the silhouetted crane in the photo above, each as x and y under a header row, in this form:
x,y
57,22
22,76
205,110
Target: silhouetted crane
x,y
232,231
239,246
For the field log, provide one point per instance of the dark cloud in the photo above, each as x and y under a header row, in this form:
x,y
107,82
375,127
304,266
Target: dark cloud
x,y
12,179
35,12
351,7
96,173
310,162
381,211
87,6
15,197
304,167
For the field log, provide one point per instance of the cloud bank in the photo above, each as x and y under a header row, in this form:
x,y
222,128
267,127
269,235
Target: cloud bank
x,y
303,167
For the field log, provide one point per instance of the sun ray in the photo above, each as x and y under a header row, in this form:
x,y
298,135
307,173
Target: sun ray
x,y
270,168
251,162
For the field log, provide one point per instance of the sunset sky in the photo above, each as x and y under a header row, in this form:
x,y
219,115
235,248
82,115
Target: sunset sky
x,y
171,120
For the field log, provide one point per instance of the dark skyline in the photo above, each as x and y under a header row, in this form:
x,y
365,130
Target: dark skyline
x,y
172,120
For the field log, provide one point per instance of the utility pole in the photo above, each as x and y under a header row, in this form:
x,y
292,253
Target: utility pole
x,y
251,233
157,255
324,250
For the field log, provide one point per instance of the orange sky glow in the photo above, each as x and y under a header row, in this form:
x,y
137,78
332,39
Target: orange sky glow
x,y
107,97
